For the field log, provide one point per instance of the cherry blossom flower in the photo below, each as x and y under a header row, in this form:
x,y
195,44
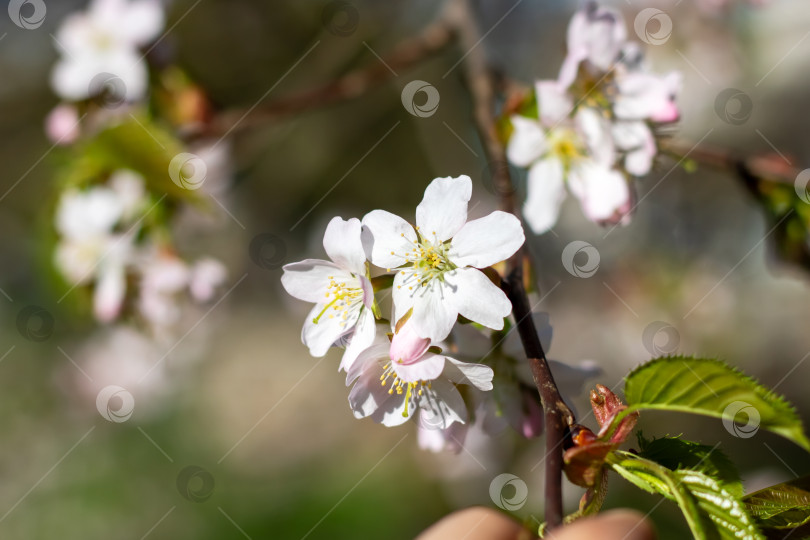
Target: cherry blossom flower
x,y
596,125
578,152
340,290
392,381
93,247
104,40
438,260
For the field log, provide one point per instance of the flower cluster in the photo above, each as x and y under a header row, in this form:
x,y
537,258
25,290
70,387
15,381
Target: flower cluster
x,y
595,126
121,133
438,277
426,368
103,243
104,41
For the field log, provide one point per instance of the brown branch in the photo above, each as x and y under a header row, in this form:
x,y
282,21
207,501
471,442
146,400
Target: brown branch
x,y
766,167
433,39
483,84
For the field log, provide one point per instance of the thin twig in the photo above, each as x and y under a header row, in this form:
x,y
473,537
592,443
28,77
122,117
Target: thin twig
x,y
433,39
482,84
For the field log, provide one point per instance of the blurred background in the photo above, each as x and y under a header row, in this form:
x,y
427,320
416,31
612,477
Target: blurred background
x,y
244,434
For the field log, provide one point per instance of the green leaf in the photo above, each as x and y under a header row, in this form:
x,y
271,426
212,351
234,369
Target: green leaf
x,y
710,387
676,453
711,511
783,506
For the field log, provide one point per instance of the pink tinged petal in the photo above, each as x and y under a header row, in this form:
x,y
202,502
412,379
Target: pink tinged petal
x,y
546,193
477,375
527,143
343,244
377,351
434,313
475,297
444,404
644,95
386,238
406,345
443,210
601,191
599,31
554,102
322,335
426,368
308,280
365,331
487,241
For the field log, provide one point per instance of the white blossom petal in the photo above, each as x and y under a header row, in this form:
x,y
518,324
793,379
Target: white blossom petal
x,y
386,238
342,243
308,280
427,368
595,129
601,191
487,241
475,297
545,195
443,210
553,101
527,143
320,336
444,403
365,331
477,375
403,297
434,313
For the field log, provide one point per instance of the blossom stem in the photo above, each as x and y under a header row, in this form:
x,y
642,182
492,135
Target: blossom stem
x,y
483,85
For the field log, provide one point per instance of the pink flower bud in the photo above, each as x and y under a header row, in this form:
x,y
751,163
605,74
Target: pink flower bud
x,y
407,347
62,124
